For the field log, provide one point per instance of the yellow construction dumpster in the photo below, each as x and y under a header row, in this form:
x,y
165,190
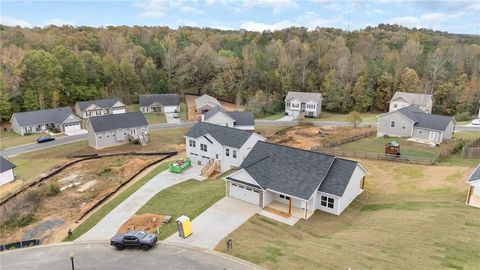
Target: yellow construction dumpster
x,y
184,227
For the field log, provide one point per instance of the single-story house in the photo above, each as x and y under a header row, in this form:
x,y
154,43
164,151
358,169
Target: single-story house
x,y
240,120
227,146
166,103
115,129
303,102
7,174
403,99
412,122
86,109
296,181
205,103
473,197
61,119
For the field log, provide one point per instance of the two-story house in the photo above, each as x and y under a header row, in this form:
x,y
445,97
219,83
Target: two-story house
x,y
303,102
403,99
86,109
207,142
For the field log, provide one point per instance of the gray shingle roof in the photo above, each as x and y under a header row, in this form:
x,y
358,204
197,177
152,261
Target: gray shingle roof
x,y
224,135
164,99
102,103
55,115
413,98
5,164
475,175
426,120
202,100
241,118
297,172
115,121
304,96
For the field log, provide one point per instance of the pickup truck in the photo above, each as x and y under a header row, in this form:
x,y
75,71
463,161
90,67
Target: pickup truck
x,y
136,239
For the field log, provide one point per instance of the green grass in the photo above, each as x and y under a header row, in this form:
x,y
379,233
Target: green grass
x,y
155,118
189,198
183,112
100,213
329,116
467,135
273,116
133,108
10,139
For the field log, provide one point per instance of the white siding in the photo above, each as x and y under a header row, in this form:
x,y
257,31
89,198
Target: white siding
x,y
319,206
221,119
7,176
353,189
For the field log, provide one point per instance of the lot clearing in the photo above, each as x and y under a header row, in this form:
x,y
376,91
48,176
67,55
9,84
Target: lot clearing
x,y
409,217
192,114
65,197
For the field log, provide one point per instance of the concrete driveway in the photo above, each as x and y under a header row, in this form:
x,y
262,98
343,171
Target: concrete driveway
x,y
171,119
287,118
110,224
222,218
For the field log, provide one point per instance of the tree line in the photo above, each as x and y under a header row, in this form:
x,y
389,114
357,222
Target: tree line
x,y
360,70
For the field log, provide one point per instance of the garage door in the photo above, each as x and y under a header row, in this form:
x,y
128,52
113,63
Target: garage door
x,y
170,109
117,111
71,127
244,193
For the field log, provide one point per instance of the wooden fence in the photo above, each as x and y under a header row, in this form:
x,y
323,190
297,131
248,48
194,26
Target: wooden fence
x,y
472,149
349,139
377,156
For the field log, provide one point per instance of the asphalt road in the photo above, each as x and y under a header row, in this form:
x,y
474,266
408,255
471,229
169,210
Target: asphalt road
x,y
69,139
99,255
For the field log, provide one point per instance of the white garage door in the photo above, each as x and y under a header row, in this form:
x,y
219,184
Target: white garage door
x,y
244,193
119,110
169,108
72,127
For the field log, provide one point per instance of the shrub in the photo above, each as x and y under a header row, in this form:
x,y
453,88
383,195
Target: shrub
x,y
463,116
52,189
103,171
354,118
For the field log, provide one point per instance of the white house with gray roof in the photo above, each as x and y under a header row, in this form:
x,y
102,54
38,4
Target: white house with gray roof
x,y
60,119
296,182
403,99
240,120
205,103
7,174
473,196
303,102
412,122
116,129
165,103
86,109
225,145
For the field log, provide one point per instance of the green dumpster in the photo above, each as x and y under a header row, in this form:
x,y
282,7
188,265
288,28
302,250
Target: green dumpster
x,y
179,166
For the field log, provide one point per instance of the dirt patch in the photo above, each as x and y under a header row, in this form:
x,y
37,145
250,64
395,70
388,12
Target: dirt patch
x,y
145,222
38,232
193,115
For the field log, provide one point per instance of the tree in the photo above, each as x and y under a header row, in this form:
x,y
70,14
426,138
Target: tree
x,y
5,105
152,79
409,81
355,118
362,96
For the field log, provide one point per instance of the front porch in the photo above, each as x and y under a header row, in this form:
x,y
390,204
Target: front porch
x,y
285,208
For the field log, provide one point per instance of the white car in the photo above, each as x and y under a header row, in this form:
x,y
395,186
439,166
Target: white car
x,y
476,122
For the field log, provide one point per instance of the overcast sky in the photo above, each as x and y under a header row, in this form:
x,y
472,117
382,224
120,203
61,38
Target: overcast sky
x,y
255,15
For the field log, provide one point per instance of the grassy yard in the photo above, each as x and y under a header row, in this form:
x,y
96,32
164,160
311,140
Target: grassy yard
x,y
328,116
100,213
183,112
10,139
273,116
409,217
189,198
155,118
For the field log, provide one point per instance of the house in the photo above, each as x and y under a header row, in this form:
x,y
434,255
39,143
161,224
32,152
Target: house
x,y
59,119
205,103
166,103
412,122
6,171
403,99
296,182
86,109
473,197
115,129
240,120
227,147
303,102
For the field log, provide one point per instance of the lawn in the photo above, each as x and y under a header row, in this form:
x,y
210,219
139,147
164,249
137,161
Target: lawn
x,y
10,139
409,217
155,118
273,116
339,117
188,198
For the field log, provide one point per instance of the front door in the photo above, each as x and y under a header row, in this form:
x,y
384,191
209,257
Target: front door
x,y
434,136
133,131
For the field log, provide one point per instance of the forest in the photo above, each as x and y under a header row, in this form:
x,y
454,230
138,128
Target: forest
x,y
359,70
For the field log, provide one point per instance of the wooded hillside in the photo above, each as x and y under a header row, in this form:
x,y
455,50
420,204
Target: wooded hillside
x,y
360,70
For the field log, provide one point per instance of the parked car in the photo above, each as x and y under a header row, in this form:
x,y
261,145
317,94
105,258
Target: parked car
x,y
45,139
476,122
137,239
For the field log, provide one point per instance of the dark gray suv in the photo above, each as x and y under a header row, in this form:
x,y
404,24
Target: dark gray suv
x,y
137,239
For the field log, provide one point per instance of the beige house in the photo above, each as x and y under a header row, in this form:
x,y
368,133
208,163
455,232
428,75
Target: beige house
x,y
403,99
473,197
86,109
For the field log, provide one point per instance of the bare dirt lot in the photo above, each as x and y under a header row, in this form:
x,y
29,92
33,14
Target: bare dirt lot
x,y
79,188
144,222
192,113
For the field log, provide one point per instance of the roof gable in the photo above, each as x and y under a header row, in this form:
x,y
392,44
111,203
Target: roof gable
x,y
102,103
413,98
206,99
475,176
304,96
5,164
426,120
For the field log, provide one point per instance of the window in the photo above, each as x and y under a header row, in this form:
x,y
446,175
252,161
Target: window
x,y
404,125
394,105
203,147
392,124
234,152
327,202
284,197
288,104
227,152
191,143
99,136
420,131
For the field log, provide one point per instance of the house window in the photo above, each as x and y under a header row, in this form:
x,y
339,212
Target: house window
x,y
392,124
395,106
420,131
191,143
288,104
234,152
404,125
285,197
99,136
327,202
203,147
227,152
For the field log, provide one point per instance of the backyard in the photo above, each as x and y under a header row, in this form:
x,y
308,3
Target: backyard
x,y
409,217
